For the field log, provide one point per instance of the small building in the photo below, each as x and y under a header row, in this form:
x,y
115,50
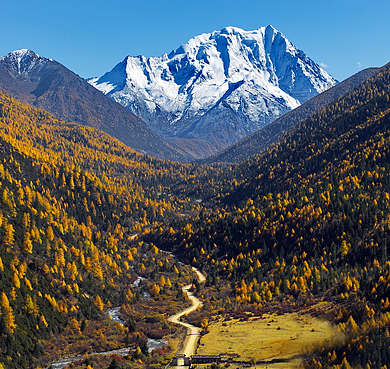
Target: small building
x,y
206,359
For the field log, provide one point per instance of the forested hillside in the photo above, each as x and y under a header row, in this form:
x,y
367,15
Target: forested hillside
x,y
73,201
308,221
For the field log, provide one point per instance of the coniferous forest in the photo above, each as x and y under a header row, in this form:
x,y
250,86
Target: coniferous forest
x,y
83,217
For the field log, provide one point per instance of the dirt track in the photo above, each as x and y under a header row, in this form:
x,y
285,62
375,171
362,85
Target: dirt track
x,y
193,332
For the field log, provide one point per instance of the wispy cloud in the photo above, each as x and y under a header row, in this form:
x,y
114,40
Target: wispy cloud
x,y
323,65
360,64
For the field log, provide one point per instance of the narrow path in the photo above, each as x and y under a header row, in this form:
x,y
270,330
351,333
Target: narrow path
x,y
193,332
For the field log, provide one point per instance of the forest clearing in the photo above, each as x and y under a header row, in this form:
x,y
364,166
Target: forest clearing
x,y
270,337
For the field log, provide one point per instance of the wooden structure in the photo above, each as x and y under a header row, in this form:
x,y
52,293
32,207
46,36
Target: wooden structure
x,y
181,360
206,359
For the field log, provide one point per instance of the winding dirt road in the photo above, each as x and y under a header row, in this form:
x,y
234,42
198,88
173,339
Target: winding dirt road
x,y
193,332
190,342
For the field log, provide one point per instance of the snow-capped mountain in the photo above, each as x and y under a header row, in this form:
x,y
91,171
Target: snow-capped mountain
x,y
220,86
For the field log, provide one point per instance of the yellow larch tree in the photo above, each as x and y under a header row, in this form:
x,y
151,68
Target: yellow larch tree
x,y
99,303
27,243
9,235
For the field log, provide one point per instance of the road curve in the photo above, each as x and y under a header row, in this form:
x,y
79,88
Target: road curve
x,y
190,342
193,332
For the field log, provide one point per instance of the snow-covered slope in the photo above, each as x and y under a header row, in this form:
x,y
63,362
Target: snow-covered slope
x,y
220,86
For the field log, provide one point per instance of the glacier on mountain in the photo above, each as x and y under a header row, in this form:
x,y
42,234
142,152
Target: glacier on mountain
x,y
219,86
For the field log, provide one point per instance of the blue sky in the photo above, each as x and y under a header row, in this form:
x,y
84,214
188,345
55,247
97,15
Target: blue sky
x,y
91,36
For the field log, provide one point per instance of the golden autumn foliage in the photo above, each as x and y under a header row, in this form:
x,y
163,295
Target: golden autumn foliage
x,y
306,221
72,200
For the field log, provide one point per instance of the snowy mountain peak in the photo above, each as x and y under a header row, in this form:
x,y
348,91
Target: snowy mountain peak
x,y
241,80
23,60
23,52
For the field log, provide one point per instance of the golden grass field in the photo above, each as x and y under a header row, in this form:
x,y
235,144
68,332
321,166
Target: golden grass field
x,y
270,337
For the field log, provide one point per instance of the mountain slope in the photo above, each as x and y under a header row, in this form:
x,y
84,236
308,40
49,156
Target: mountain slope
x,y
219,87
46,84
263,138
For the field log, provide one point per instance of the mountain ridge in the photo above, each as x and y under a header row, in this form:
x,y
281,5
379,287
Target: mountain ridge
x,y
47,84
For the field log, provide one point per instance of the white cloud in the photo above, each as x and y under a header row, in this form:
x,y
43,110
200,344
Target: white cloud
x,y
323,65
359,64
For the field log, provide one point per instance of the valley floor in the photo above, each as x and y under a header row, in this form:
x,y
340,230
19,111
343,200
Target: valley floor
x,y
276,341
